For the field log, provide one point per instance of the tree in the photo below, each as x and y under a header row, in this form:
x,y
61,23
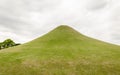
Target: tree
x,y
8,43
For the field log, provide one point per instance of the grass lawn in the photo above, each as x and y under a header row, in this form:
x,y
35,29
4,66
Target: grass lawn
x,y
63,51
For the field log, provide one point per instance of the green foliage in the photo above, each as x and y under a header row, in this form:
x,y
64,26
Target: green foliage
x,y
7,43
63,51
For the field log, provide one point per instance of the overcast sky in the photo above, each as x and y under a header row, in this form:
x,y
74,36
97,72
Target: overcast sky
x,y
25,20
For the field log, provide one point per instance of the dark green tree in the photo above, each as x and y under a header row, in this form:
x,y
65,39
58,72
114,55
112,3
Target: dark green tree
x,y
7,43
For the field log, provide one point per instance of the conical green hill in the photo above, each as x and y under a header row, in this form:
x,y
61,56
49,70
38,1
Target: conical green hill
x,y
62,51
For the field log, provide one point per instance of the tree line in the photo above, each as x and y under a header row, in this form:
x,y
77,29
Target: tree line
x,y
8,43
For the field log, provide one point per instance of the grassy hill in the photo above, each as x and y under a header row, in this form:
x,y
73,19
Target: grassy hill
x,y
63,51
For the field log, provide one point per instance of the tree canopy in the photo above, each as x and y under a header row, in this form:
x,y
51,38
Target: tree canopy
x,y
7,43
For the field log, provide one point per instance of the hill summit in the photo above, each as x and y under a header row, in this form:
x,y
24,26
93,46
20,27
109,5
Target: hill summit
x,y
62,51
64,35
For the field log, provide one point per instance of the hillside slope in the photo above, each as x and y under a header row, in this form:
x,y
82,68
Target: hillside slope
x,y
63,51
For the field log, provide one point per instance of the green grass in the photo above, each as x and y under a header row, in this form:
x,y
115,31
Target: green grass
x,y
62,51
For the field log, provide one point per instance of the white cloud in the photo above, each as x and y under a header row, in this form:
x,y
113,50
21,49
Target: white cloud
x,y
25,20
96,4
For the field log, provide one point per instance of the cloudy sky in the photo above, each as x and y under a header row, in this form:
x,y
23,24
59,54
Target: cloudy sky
x,y
25,20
